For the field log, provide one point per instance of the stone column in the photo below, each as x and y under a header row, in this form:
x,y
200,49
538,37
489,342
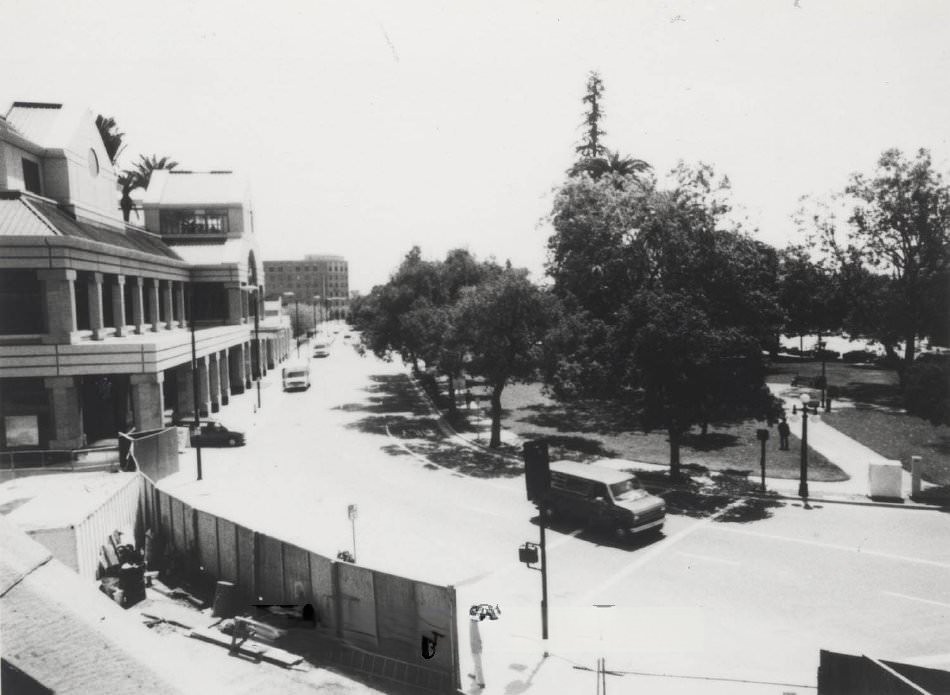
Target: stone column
x,y
66,411
153,306
138,304
186,398
237,365
262,355
95,306
235,303
269,352
148,401
224,376
59,297
118,306
214,374
180,303
167,301
247,365
204,388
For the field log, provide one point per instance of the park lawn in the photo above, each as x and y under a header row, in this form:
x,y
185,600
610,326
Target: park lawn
x,y
593,429
898,436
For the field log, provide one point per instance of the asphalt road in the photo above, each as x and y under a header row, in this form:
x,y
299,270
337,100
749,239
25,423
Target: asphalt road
x,y
733,596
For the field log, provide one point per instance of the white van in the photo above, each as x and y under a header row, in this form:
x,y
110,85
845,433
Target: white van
x,y
296,377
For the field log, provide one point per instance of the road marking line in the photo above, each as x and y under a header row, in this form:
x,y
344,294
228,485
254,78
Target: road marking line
x,y
835,546
922,600
709,558
654,551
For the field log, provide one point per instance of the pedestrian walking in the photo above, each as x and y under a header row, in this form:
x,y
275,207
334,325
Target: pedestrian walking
x,y
783,431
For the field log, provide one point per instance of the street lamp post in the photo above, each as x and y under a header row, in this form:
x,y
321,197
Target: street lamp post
x,y
803,479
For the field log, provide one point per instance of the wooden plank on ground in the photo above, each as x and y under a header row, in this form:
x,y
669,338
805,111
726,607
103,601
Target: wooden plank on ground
x,y
173,613
249,647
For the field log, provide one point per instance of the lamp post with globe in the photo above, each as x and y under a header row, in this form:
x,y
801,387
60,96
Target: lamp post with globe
x,y
803,480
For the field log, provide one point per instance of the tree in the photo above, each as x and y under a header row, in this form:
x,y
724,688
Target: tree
x,y
111,136
927,390
898,226
501,323
664,310
591,146
810,294
139,177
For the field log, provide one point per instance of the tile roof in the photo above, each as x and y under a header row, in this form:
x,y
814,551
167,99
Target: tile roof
x,y
21,215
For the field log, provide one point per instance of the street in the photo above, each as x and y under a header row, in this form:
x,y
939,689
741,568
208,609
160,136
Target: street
x,y
737,596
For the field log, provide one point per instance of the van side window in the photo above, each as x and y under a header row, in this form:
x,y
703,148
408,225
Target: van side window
x,y
570,483
599,490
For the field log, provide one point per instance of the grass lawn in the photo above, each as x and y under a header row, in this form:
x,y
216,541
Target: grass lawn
x,y
583,431
898,436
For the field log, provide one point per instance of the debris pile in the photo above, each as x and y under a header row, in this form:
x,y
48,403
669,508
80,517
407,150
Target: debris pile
x,y
121,570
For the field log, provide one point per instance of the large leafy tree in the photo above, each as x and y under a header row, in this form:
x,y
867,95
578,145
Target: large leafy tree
x,y
665,309
501,323
899,227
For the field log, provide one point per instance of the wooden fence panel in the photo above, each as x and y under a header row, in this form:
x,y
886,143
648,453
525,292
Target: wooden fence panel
x,y
208,544
227,551
270,570
246,563
435,606
357,604
297,587
396,616
321,583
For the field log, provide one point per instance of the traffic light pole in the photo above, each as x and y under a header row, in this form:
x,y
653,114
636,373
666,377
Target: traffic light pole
x,y
544,579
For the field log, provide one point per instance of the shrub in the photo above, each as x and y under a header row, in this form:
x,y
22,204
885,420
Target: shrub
x,y
927,391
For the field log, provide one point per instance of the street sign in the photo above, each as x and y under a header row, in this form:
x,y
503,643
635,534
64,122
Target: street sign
x,y
351,512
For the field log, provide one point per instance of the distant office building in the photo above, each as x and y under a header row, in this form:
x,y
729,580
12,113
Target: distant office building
x,y
323,276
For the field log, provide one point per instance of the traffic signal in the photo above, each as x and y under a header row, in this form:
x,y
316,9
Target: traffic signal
x,y
537,470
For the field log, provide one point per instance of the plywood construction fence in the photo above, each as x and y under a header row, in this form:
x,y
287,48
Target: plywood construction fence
x,y
378,620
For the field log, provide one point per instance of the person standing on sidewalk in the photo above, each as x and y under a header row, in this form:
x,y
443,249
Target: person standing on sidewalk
x,y
783,431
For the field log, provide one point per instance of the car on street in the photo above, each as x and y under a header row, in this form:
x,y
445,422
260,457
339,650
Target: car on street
x,y
296,377
321,350
605,497
216,434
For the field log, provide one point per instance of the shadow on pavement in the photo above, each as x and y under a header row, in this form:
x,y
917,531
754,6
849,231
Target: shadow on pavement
x,y
704,500
478,464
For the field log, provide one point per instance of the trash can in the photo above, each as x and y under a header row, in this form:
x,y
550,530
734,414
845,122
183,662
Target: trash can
x,y
884,479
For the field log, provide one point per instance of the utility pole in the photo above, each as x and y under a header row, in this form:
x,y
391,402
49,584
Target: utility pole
x,y
257,341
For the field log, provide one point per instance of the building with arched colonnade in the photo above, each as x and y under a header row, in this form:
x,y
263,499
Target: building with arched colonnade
x,y
96,314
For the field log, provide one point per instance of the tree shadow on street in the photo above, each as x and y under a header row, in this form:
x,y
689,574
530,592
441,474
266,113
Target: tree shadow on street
x,y
703,500
471,462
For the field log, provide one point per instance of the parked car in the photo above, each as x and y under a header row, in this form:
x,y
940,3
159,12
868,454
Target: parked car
x,y
604,497
216,434
321,350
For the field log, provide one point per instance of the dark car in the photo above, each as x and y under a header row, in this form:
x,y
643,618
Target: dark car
x,y
216,434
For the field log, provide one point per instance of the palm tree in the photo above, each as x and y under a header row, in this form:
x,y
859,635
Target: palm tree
x,y
111,136
139,176
612,163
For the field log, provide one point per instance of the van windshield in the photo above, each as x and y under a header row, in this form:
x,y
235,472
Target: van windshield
x,y
627,489
296,373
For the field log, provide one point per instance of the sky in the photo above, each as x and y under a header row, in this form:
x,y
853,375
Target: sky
x,y
367,127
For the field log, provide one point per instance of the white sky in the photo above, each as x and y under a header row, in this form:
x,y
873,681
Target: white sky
x,y
367,127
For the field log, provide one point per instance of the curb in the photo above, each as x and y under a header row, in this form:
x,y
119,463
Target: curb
x,y
452,433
